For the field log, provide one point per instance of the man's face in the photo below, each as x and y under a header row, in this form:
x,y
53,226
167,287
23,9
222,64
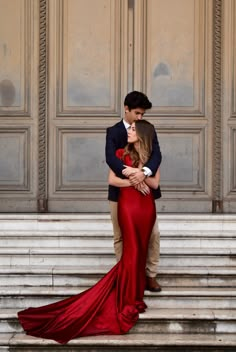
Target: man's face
x,y
133,114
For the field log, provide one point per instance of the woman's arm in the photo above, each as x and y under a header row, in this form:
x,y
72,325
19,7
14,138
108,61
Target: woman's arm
x,y
153,181
113,180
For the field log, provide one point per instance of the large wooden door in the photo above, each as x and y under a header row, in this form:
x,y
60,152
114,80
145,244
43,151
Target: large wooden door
x,y
66,66
100,50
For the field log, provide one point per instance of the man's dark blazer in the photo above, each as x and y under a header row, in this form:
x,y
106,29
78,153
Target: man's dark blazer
x,y
116,138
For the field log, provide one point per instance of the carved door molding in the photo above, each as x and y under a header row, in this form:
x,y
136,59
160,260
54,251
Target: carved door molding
x,y
43,92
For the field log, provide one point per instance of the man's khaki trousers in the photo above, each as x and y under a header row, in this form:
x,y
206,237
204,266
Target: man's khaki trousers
x,y
153,247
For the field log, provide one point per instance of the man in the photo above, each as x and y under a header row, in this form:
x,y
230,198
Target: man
x,y
135,105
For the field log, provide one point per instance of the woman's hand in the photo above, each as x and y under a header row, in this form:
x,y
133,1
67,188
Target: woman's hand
x,y
129,170
143,188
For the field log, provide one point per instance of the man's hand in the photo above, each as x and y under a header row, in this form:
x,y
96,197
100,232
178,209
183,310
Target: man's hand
x,y
137,177
143,188
129,170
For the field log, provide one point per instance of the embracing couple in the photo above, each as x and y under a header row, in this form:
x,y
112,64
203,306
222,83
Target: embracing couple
x,y
113,304
135,105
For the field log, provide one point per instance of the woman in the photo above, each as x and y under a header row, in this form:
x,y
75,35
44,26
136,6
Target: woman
x,y
113,304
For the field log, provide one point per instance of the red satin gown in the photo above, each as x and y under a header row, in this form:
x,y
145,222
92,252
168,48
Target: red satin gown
x,y
111,306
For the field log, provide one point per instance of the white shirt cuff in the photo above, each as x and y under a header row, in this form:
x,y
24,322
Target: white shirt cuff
x,y
147,171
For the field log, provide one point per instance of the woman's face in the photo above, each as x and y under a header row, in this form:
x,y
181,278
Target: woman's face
x,y
132,135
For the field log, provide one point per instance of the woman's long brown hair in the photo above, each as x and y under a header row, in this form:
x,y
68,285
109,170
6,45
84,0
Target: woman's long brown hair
x,y
145,132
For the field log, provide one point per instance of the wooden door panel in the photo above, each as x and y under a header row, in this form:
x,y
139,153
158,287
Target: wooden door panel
x,y
84,98
88,40
176,73
18,105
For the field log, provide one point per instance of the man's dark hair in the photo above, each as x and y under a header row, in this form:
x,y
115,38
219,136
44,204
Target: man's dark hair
x,y
136,100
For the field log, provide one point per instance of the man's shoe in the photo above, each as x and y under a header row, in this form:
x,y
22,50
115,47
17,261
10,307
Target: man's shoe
x,y
152,285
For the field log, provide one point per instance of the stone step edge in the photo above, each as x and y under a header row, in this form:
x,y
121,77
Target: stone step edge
x,y
65,291
90,234
134,340
161,314
93,251
101,270
106,216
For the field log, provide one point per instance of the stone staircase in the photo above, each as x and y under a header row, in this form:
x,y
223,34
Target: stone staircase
x,y
45,258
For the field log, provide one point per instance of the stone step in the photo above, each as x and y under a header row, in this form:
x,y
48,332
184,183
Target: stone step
x,y
48,257
86,276
89,231
69,222
156,321
105,256
172,297
56,239
130,342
